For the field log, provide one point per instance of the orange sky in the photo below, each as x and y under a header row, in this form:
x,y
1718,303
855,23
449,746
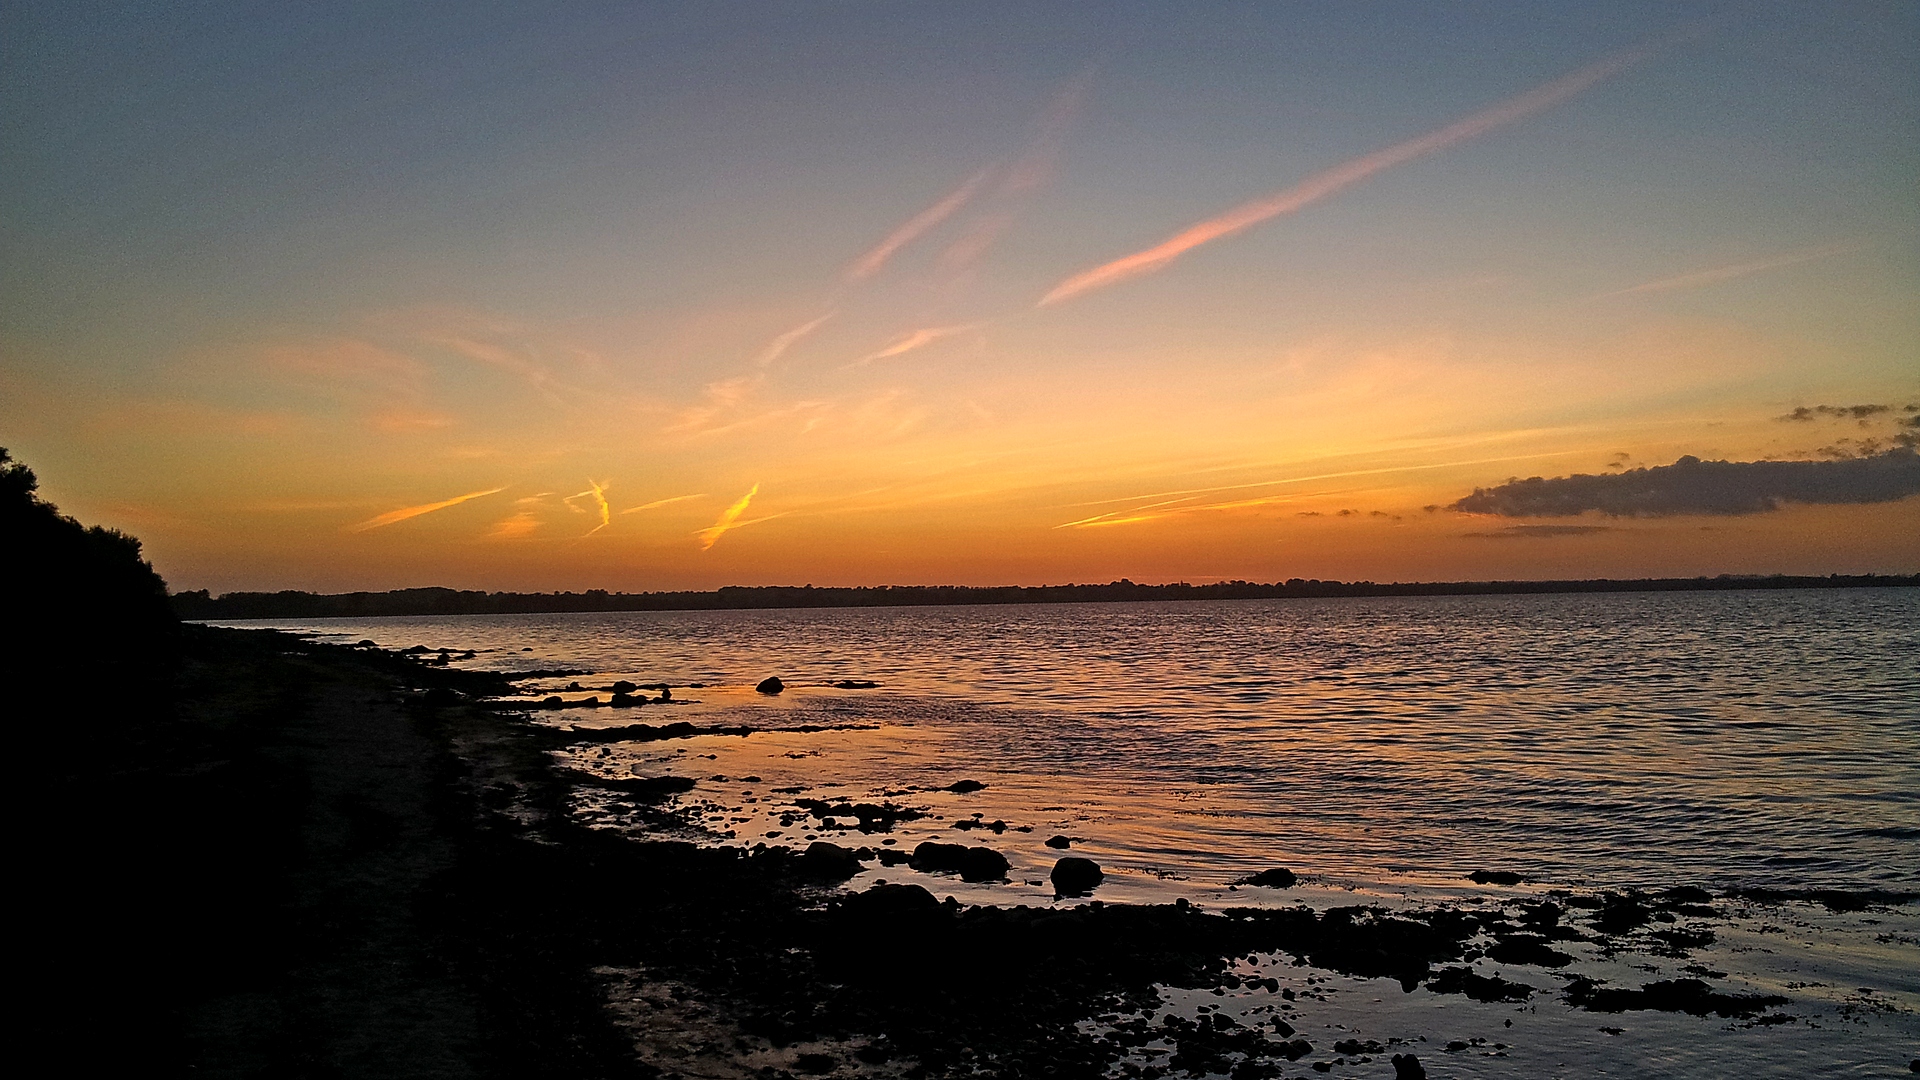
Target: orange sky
x,y
701,308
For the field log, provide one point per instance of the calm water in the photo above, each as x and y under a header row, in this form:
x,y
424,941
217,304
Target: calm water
x,y
1758,738
1383,749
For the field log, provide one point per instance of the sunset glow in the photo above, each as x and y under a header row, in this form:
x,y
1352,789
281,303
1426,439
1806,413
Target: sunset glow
x,y
642,299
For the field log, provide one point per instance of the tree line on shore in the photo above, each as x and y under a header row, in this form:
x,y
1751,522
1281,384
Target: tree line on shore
x,y
200,604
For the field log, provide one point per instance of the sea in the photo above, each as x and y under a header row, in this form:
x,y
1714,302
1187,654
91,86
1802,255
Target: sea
x,y
1382,749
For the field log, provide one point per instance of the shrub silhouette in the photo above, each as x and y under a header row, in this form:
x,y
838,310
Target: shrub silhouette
x,y
75,596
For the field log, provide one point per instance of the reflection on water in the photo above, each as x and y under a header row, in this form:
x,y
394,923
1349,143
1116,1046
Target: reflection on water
x,y
1381,748
1713,738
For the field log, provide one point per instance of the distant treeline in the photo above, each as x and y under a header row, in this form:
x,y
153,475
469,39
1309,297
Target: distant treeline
x,y
283,605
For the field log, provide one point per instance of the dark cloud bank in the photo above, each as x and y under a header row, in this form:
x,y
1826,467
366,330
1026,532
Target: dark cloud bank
x,y
1692,486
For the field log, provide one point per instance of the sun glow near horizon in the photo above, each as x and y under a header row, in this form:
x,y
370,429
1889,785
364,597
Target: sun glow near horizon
x,y
822,295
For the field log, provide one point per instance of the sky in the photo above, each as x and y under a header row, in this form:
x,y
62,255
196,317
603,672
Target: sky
x,y
661,296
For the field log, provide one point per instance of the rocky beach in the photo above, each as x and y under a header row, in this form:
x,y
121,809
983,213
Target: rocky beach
x,y
392,871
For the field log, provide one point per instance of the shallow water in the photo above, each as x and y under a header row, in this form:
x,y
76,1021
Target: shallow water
x,y
1746,738
1381,748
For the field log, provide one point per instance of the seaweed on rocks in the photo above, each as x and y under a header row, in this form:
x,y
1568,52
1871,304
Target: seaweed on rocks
x,y
1490,988
871,817
1838,900
1675,995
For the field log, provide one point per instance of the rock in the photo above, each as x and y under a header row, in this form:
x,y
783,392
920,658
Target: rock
x,y
972,864
855,684
1295,1049
1276,878
828,862
1676,995
984,864
771,685
1527,949
553,702
1495,877
1075,876
1355,1047
963,787
623,700
573,686
892,901
1407,1067
1060,842
814,1064
625,687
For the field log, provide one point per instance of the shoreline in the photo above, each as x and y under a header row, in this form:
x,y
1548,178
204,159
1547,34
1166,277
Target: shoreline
x,y
447,913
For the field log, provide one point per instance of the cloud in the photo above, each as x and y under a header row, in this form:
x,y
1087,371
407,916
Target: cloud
x,y
657,503
1175,498
916,339
517,527
711,536
1027,173
1523,532
405,512
1347,173
1854,412
779,345
1715,275
1692,486
869,264
597,494
1030,169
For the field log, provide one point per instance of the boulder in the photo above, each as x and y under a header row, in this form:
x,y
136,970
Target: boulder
x,y
892,901
965,787
1276,878
1407,1067
771,685
1494,877
828,862
1075,876
1060,842
972,864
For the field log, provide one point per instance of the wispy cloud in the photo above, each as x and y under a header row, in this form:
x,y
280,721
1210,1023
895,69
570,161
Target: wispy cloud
x,y
711,536
1030,169
916,339
869,264
517,527
405,512
596,493
1699,278
779,345
1035,165
1183,500
657,503
1344,175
